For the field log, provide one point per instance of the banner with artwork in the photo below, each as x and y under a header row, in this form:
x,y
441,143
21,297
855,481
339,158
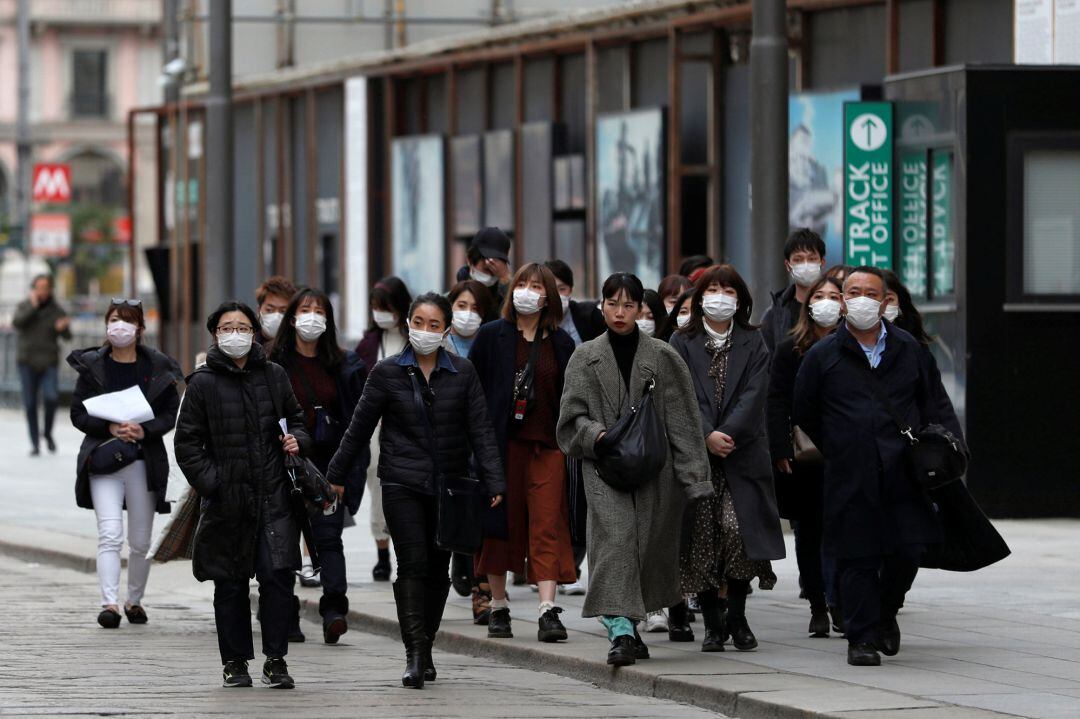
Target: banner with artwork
x,y
630,153
418,218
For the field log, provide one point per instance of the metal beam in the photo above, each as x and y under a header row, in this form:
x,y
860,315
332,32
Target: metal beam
x,y
217,254
24,148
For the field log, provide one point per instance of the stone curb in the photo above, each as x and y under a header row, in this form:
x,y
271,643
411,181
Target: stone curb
x,y
44,555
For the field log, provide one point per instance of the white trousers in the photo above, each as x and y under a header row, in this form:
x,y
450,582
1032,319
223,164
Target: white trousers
x,y
109,493
374,492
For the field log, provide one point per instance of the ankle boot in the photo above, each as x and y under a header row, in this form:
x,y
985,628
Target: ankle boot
x,y
409,597
741,637
434,604
713,613
333,608
679,629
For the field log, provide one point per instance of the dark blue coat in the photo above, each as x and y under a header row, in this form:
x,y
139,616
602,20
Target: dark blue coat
x,y
872,503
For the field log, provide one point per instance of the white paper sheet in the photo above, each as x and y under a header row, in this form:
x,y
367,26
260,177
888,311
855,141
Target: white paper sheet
x,y
127,405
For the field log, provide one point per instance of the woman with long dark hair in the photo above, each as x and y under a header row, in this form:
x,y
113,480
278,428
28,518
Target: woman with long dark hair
x,y
521,361
139,483
327,382
901,311
799,467
471,302
387,336
735,533
422,386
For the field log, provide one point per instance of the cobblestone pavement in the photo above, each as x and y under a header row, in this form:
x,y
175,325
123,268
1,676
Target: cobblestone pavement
x,y
56,661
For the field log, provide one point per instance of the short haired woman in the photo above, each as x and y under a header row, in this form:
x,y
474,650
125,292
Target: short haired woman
x,y
231,447
471,302
735,533
422,386
633,537
387,336
139,483
521,361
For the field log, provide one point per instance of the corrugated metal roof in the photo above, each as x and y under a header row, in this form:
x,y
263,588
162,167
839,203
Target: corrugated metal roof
x,y
616,15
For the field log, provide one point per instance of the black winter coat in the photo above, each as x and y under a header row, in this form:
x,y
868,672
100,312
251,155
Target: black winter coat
x,y
872,503
158,375
781,316
458,416
228,448
588,319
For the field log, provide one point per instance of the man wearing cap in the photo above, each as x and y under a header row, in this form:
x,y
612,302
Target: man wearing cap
x,y
489,264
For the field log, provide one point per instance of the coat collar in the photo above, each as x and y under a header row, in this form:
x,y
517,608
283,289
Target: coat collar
x,y
701,358
895,339
407,358
602,360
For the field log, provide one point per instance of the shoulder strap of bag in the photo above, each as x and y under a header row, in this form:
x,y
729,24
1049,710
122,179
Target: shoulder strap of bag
x,y
879,394
421,409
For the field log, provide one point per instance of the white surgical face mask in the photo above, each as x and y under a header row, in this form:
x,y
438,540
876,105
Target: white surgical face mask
x,y
466,322
121,333
384,320
825,312
310,326
424,342
482,277
863,312
270,323
892,312
565,299
719,307
235,344
526,301
647,326
682,320
806,273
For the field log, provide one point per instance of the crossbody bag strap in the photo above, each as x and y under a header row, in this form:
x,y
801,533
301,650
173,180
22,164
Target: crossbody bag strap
x,y
879,393
421,409
529,371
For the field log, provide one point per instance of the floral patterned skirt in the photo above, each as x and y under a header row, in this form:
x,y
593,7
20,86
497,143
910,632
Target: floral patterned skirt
x,y
713,549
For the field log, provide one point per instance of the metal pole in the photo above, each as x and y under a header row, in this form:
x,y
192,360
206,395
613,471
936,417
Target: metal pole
x,y
24,148
171,46
768,149
217,255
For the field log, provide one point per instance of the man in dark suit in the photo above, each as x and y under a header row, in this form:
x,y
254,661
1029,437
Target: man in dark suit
x,y
583,321
877,520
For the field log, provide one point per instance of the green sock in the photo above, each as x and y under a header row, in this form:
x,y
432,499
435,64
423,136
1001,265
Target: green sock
x,y
617,627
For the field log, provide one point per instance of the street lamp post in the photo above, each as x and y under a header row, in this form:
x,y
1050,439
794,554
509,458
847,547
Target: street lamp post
x,y
218,247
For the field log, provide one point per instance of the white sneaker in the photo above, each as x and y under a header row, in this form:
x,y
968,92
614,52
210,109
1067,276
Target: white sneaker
x,y
656,622
574,589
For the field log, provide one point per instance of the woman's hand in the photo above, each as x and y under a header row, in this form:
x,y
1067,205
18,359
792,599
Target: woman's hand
x,y
784,466
134,431
719,444
496,501
116,429
290,445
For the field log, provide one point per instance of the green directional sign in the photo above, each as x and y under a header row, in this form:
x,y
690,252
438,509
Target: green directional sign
x,y
868,183
911,222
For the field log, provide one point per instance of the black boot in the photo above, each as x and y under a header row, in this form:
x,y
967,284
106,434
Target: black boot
x,y
409,596
461,573
819,618
381,571
333,608
713,613
741,636
296,635
679,629
434,604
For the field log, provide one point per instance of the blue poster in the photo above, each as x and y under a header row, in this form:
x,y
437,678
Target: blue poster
x,y
816,166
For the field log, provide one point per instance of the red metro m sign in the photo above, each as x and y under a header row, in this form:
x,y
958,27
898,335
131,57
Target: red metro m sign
x,y
52,183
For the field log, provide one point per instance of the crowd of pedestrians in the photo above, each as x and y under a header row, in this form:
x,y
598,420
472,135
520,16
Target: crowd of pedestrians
x,y
513,394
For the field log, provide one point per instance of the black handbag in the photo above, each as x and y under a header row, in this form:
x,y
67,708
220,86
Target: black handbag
x,y
112,455
461,499
309,483
935,455
634,449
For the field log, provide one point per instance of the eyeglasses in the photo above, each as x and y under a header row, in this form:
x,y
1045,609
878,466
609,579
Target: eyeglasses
x,y
244,330
120,301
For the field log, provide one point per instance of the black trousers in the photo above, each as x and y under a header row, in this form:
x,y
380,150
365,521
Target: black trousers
x,y
326,530
873,589
232,610
808,533
411,518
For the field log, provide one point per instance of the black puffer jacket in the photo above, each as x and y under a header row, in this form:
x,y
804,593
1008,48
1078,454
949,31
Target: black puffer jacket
x,y
459,422
228,448
158,375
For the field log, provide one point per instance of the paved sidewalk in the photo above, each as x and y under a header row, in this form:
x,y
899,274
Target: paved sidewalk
x,y
1005,639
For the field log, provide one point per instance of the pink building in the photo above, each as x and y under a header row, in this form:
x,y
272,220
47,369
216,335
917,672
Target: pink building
x,y
91,61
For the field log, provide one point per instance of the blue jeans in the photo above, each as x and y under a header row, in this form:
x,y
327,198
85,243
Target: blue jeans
x,y
35,381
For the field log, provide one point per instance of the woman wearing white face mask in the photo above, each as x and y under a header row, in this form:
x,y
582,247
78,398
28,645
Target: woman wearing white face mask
x,y
734,534
387,336
422,388
521,360
798,466
140,478
327,382
471,302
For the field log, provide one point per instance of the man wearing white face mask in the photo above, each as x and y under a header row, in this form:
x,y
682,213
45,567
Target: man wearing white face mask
x,y
488,258
272,297
583,321
804,260
877,520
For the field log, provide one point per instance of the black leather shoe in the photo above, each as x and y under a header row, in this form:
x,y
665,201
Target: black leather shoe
x,y
641,649
551,627
50,444
679,629
499,624
381,571
713,642
461,574
136,614
741,636
863,655
888,642
109,618
622,652
819,625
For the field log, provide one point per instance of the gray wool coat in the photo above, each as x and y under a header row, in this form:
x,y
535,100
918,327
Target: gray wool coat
x,y
742,417
632,538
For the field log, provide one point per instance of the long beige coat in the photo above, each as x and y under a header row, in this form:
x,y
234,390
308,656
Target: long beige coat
x,y
633,537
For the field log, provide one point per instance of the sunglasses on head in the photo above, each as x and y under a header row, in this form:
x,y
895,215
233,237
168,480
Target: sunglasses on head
x,y
120,301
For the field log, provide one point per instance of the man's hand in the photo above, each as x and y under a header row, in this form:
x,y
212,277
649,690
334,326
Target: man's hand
x,y
784,466
62,324
34,299
719,444
501,270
